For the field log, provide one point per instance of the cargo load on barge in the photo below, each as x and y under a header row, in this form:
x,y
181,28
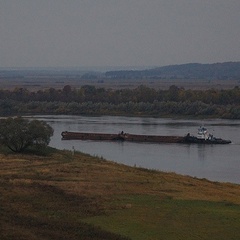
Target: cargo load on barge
x,y
202,138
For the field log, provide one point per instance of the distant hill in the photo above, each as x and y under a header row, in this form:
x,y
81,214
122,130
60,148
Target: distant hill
x,y
219,71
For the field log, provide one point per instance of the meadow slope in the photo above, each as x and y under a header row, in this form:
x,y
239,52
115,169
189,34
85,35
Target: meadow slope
x,y
66,196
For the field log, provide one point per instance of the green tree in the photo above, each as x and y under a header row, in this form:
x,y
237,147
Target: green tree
x,y
18,133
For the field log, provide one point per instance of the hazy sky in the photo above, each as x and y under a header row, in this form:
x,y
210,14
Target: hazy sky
x,y
62,33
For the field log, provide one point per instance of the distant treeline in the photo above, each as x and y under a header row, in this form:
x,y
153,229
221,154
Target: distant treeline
x,y
142,101
192,71
220,71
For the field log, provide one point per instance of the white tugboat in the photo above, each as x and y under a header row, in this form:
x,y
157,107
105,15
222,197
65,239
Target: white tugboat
x,y
203,133
204,137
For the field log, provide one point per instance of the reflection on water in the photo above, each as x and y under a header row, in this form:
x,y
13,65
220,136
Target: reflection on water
x,y
201,152
215,162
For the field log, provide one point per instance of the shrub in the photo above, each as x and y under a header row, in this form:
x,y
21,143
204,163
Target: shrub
x,y
18,134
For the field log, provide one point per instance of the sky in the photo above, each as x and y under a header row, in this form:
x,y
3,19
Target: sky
x,y
86,33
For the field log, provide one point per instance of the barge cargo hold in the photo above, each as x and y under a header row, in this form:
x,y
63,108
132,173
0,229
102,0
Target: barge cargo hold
x,y
202,138
121,137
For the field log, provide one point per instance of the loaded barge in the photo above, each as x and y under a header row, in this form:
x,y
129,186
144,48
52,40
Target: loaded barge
x,y
203,137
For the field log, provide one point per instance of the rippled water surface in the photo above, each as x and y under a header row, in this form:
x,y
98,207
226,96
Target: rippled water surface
x,y
214,162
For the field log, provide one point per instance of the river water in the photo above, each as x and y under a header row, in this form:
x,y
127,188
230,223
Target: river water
x,y
214,162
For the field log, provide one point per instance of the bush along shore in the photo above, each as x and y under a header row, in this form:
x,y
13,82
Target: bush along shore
x,y
61,195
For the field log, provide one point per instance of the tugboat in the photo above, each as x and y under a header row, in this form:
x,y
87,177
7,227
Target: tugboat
x,y
205,138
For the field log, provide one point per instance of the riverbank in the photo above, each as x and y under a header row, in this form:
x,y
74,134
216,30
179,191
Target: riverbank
x,y
62,196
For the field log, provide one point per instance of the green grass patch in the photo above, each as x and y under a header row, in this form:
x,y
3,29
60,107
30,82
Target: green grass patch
x,y
149,217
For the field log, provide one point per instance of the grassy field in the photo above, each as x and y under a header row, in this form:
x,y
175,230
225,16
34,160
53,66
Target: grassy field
x,y
35,83
65,196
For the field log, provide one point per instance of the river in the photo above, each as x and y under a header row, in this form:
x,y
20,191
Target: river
x,y
214,162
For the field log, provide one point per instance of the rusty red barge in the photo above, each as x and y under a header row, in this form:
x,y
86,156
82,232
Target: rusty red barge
x,y
203,137
121,137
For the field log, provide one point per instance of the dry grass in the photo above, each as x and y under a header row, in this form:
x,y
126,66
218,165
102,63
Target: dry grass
x,y
40,195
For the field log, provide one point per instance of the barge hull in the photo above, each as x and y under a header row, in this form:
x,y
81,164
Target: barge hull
x,y
121,137
155,139
141,138
89,136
